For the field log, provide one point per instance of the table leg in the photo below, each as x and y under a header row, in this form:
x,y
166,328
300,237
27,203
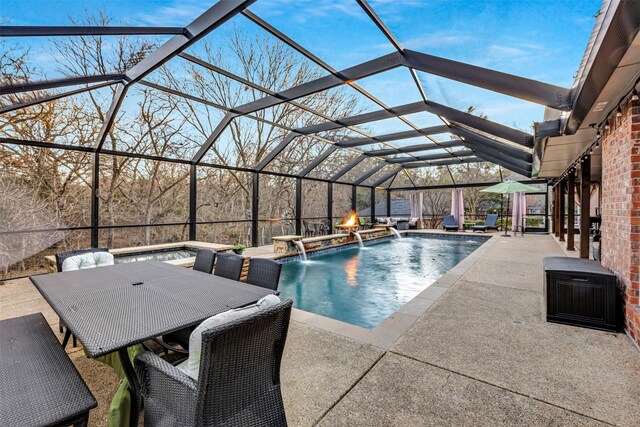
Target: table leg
x,y
134,386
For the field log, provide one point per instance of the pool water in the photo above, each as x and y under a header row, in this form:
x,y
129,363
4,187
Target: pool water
x,y
166,255
364,286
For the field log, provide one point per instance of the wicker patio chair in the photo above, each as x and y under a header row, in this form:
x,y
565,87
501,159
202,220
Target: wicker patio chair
x,y
264,273
60,257
229,266
238,382
205,258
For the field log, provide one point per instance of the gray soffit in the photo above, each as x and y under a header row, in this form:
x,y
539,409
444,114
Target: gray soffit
x,y
616,29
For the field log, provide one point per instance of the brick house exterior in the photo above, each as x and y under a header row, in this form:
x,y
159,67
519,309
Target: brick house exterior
x,y
620,207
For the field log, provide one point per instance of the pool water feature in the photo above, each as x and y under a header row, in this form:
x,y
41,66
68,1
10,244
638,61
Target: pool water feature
x,y
359,237
364,287
159,255
300,246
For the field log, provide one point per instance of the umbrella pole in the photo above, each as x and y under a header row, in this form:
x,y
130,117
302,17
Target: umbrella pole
x,y
506,217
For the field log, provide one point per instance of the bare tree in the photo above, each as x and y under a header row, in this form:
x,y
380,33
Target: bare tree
x,y
270,65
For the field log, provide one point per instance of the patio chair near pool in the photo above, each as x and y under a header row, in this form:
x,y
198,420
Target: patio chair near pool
x,y
490,223
364,224
79,259
205,258
325,227
449,223
264,273
247,342
229,266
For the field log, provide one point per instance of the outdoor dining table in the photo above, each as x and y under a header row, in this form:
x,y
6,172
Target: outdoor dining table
x,y
113,307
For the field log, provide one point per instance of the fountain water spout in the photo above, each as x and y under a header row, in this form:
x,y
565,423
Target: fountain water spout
x,y
300,247
359,238
395,232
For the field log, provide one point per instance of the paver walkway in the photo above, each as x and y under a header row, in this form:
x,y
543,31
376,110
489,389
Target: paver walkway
x,y
482,354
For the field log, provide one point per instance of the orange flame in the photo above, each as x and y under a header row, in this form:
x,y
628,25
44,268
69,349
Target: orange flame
x,y
350,220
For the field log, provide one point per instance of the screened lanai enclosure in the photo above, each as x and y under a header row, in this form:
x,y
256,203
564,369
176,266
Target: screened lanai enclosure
x,y
227,130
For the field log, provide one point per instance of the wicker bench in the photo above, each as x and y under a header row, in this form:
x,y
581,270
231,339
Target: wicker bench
x,y
41,386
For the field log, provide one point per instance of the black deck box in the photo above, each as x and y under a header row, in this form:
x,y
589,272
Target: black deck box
x,y
581,292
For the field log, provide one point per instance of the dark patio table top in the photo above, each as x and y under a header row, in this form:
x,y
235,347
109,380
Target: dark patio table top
x,y
113,307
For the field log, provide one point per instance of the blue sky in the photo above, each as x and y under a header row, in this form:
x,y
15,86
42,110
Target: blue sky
x,y
538,39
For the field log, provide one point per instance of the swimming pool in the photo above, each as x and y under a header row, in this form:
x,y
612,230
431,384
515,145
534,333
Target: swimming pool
x,y
364,286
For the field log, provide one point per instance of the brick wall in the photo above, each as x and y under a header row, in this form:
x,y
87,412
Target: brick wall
x,y
621,208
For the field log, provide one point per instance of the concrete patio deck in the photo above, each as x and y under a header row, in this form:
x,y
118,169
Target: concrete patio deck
x,y
481,354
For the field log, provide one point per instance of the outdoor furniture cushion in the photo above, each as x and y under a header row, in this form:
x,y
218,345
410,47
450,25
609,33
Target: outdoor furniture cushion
x,y
191,366
88,260
413,221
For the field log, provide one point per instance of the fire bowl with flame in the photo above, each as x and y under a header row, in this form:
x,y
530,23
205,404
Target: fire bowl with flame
x,y
349,223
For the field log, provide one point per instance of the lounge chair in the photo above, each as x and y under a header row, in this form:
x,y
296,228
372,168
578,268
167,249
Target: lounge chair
x,y
449,223
364,224
490,223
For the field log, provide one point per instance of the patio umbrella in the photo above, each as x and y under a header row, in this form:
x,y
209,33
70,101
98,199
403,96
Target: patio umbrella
x,y
509,187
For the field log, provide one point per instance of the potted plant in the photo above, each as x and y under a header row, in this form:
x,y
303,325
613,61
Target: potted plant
x,y
239,248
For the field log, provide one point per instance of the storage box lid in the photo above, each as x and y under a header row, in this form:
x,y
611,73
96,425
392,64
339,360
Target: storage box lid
x,y
575,265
